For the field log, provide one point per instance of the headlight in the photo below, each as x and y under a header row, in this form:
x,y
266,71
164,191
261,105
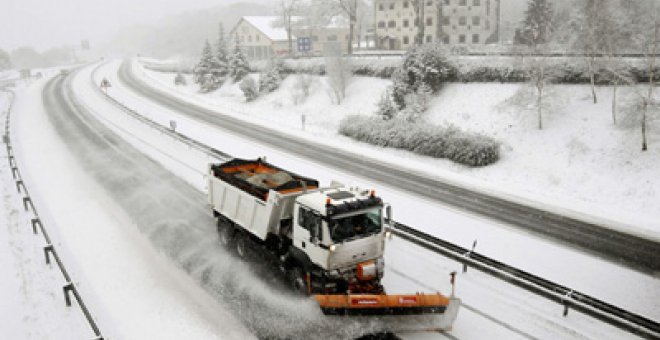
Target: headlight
x,y
332,247
388,234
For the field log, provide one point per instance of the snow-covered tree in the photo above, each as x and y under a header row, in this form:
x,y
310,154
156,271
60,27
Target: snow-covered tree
x,y
338,71
286,10
271,79
222,52
387,109
537,25
208,73
417,103
239,66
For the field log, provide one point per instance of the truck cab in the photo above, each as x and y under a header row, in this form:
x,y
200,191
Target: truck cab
x,y
340,228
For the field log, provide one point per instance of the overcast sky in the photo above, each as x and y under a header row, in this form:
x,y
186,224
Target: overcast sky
x,y
48,23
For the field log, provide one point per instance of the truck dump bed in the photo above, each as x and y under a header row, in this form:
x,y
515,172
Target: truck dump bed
x,y
258,177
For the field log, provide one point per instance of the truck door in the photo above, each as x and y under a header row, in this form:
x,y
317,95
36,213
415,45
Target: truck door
x,y
308,235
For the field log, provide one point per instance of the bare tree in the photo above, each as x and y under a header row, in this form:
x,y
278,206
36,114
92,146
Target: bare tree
x,y
338,71
286,10
645,16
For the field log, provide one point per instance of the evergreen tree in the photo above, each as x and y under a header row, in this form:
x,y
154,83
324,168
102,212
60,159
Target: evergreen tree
x,y
208,72
238,63
537,24
203,66
270,80
222,52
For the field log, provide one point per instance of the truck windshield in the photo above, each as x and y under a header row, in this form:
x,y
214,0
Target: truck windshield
x,y
355,226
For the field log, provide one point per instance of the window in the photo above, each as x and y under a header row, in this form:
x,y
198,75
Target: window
x,y
476,21
461,39
310,222
462,21
475,38
429,38
447,2
332,38
405,4
406,40
381,7
256,38
462,3
355,226
445,39
406,23
392,6
429,3
416,22
476,2
391,23
445,21
381,24
429,21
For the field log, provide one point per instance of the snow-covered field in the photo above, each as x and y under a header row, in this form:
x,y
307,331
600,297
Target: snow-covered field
x,y
580,164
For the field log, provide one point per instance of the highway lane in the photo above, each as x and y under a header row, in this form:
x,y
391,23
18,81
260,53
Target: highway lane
x,y
614,245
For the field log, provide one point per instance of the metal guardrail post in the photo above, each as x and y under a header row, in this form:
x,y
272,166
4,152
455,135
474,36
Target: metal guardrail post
x,y
48,250
34,222
19,183
26,200
67,289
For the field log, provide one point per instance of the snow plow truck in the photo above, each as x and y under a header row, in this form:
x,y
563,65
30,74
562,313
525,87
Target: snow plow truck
x,y
328,242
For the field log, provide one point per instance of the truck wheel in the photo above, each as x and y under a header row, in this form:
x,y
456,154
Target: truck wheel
x,y
297,280
226,234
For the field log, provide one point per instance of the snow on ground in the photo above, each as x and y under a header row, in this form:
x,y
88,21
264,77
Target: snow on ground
x,y
31,292
131,289
622,286
408,268
569,167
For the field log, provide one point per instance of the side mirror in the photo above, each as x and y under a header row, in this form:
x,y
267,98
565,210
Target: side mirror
x,y
388,214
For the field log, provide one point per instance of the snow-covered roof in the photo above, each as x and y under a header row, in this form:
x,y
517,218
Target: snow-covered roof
x,y
266,24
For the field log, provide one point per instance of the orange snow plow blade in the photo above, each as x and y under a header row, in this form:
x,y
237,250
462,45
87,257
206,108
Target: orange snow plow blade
x,y
364,304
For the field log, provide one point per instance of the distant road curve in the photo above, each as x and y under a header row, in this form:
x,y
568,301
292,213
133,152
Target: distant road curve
x,y
618,246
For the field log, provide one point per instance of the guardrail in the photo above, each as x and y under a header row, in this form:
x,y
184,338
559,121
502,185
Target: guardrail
x,y
567,297
50,252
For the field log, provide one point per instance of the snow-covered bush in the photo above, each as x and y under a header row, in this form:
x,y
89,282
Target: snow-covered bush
x,y
338,77
179,79
435,141
427,64
387,109
271,79
417,103
249,88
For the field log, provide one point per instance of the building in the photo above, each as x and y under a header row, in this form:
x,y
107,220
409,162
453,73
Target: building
x,y
451,22
261,38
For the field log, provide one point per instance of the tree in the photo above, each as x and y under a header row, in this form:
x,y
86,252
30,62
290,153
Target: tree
x,y
222,51
536,36
207,72
238,63
537,25
286,10
339,74
350,8
418,7
5,60
645,18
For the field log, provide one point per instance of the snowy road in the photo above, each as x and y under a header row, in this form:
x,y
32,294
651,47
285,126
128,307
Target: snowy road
x,y
487,303
609,243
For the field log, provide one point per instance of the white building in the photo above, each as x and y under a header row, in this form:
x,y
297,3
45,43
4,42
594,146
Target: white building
x,y
455,22
261,38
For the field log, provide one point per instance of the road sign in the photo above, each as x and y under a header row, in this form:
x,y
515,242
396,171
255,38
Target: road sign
x,y
304,44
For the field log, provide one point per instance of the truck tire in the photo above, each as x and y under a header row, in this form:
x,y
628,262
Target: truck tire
x,y
226,234
296,279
